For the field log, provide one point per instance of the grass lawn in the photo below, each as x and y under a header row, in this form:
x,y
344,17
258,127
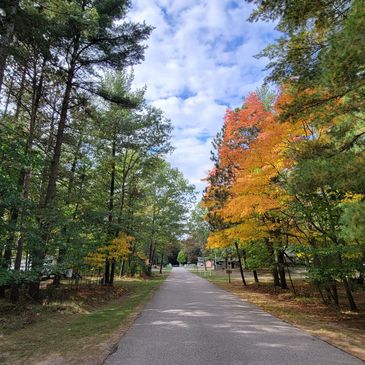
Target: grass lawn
x,y
342,328
79,330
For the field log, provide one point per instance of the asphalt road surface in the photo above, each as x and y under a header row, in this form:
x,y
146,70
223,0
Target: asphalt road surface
x,y
190,321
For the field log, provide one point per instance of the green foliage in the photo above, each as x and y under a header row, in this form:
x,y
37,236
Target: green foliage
x,y
257,255
181,257
315,132
82,154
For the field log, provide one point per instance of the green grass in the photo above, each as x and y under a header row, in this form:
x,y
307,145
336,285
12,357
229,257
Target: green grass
x,y
70,335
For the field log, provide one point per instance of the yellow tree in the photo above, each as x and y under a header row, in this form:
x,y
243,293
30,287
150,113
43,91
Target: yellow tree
x,y
118,249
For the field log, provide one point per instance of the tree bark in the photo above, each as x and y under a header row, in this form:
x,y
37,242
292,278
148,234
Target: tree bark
x,y
349,295
106,272
9,245
255,276
7,37
24,181
274,269
122,265
240,264
112,272
161,265
62,251
38,254
281,267
112,181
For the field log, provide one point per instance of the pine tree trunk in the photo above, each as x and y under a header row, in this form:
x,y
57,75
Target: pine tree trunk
x,y
10,91
107,274
54,167
15,210
38,253
63,249
24,181
9,245
7,37
112,181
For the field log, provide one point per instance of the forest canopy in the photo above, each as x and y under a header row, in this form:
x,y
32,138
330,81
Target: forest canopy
x,y
84,182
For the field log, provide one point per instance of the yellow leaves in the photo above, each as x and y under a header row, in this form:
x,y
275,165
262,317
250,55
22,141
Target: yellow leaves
x,y
246,231
119,248
95,259
218,239
352,197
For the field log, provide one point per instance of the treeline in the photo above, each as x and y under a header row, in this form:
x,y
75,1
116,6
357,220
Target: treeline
x,y
288,182
83,181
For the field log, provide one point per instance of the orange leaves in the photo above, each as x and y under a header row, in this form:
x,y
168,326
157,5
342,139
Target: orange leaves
x,y
240,127
254,147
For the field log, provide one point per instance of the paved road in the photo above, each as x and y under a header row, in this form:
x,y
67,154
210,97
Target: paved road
x,y
190,321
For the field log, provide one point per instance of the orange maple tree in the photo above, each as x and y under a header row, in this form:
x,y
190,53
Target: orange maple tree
x,y
254,147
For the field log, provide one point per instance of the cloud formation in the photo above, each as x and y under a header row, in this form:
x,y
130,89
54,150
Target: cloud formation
x,y
199,62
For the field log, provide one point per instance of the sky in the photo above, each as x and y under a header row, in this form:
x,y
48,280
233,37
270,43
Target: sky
x,y
199,62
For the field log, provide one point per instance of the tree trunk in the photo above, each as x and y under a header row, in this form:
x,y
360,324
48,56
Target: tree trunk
x,y
7,37
275,276
274,269
9,245
38,254
161,265
240,264
281,267
106,272
24,180
63,249
335,293
291,281
112,181
349,295
112,272
15,210
255,276
153,254
10,91
54,167
122,268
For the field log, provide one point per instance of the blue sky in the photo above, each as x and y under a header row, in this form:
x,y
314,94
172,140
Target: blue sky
x,y
198,63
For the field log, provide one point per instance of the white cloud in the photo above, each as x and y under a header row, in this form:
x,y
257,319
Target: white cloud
x,y
199,62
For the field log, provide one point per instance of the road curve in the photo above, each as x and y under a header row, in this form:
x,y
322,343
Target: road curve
x,y
190,321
